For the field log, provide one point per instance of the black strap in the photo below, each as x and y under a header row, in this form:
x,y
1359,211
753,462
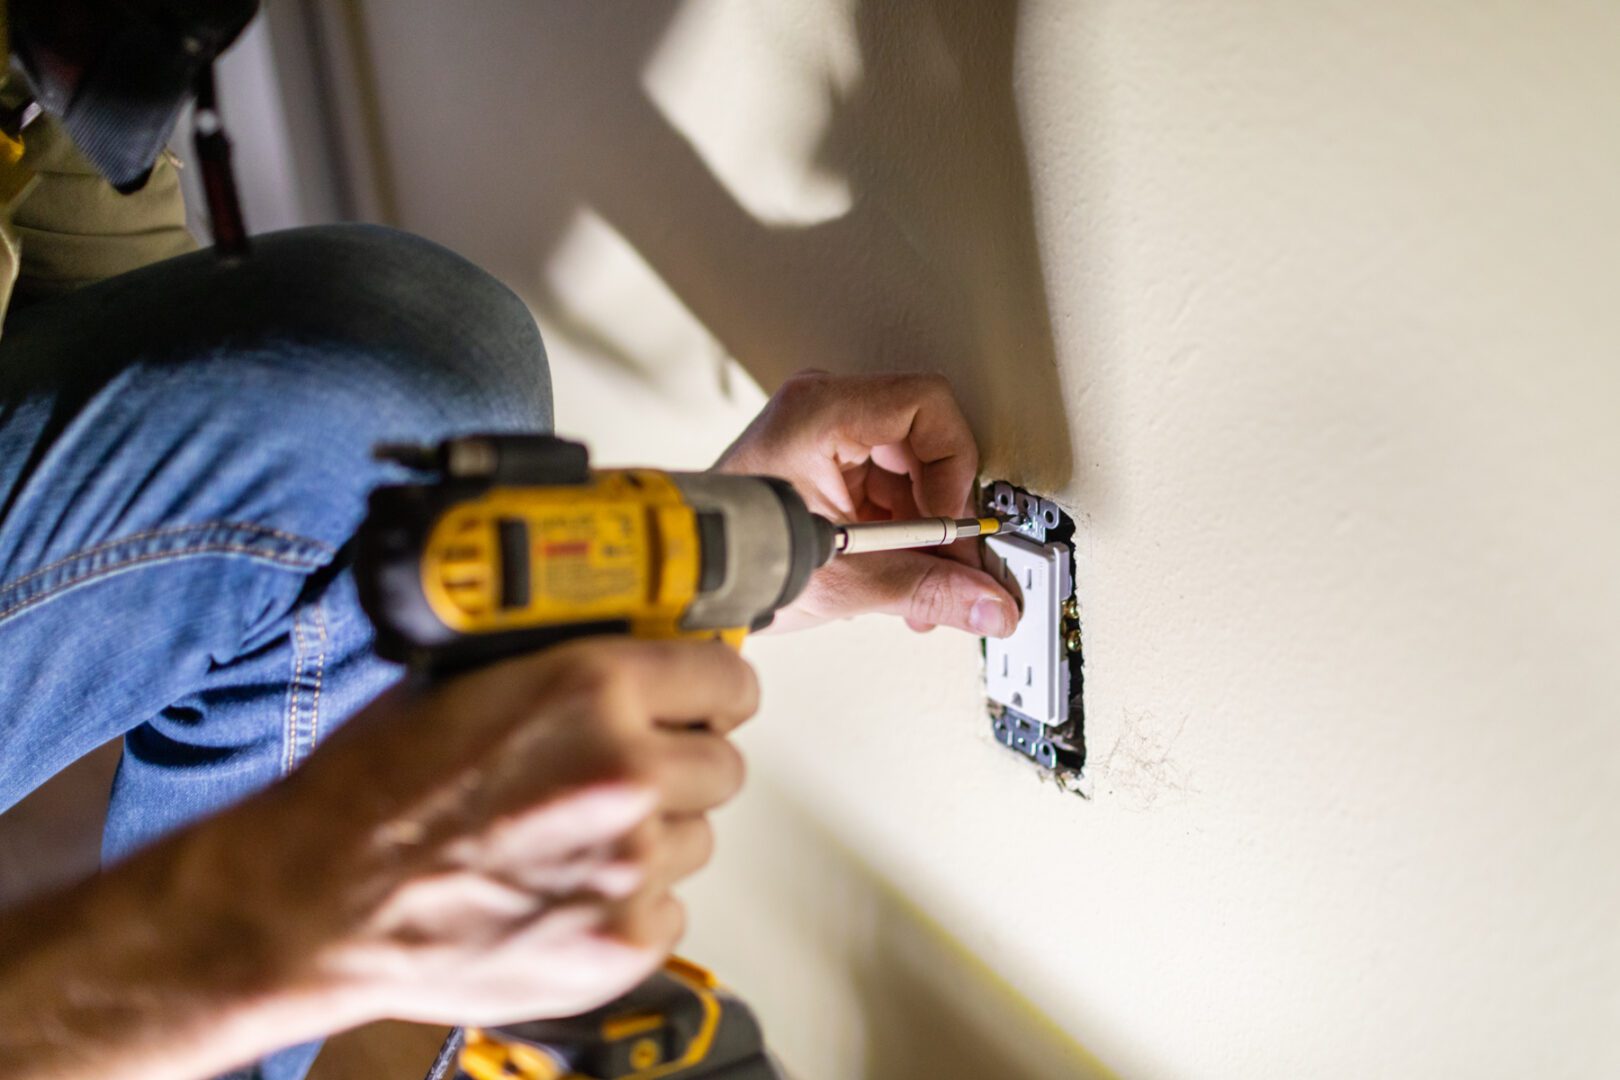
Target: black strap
x,y
218,180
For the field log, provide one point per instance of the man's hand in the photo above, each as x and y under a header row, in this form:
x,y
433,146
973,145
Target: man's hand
x,y
498,847
874,448
520,829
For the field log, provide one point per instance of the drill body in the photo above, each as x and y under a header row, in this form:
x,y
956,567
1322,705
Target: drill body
x,y
515,544
511,544
681,1023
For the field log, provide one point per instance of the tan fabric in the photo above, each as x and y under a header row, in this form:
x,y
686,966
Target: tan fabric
x,y
16,181
73,228
62,225
15,184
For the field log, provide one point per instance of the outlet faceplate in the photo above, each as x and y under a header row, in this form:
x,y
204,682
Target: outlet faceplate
x,y
1029,671
1033,678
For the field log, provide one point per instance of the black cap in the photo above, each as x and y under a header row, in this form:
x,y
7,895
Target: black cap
x,y
118,73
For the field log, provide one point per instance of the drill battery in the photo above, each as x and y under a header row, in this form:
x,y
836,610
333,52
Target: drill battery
x,y
680,1024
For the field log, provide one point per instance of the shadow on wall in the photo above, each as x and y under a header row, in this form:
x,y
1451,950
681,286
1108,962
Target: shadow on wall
x,y
848,979
934,266
931,1011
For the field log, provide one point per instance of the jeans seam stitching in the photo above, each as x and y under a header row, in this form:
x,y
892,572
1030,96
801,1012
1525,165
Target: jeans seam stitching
x,y
293,686
155,556
157,534
320,671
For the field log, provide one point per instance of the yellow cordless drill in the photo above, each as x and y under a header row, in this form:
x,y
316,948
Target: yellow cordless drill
x,y
511,543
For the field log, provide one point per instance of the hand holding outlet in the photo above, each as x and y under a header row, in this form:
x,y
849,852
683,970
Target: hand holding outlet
x,y
878,448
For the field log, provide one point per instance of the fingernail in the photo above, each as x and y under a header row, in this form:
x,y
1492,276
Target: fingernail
x,y
991,617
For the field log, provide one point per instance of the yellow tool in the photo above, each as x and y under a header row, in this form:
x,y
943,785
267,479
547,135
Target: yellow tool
x,y
512,543
681,1023
515,543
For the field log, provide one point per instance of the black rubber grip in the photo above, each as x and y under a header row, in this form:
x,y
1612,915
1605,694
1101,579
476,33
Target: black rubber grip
x,y
526,460
514,538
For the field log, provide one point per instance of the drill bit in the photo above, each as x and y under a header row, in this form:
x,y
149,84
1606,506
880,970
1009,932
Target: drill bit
x,y
855,538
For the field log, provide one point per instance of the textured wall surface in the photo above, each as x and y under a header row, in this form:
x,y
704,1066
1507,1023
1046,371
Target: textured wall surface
x,y
1308,313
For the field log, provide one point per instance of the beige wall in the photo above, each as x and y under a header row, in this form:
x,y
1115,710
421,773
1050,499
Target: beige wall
x,y
1308,312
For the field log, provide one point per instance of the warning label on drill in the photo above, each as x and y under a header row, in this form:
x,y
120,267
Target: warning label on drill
x,y
587,561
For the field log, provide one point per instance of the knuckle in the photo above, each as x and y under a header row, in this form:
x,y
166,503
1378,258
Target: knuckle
x,y
598,684
802,387
725,674
913,384
600,749
806,378
586,676
629,922
732,767
674,919
640,844
749,696
710,769
730,669
615,759
703,841
653,921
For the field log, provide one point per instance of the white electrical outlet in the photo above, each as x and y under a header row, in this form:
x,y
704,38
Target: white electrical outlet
x,y
1028,672
1034,678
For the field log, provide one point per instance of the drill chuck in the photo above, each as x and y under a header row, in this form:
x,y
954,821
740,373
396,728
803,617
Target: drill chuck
x,y
758,546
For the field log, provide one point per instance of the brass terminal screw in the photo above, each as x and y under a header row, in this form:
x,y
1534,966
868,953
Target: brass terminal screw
x,y
1073,641
1071,608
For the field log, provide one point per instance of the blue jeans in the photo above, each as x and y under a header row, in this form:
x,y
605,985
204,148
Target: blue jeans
x,y
185,453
